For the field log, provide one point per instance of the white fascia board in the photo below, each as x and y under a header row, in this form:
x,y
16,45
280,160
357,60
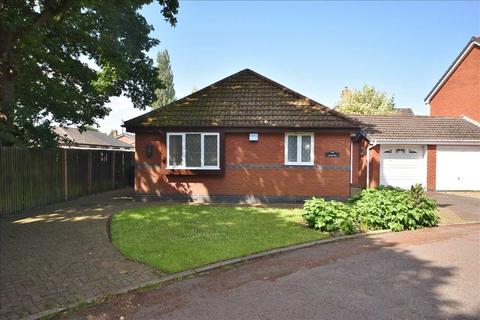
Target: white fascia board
x,y
431,142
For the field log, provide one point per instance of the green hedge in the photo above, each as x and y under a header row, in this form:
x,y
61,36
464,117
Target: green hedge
x,y
373,209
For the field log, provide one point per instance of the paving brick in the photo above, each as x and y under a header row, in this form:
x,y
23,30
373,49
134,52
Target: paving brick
x,y
52,261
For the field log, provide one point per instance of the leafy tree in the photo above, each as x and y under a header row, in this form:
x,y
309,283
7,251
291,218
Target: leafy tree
x,y
61,60
91,128
366,101
166,94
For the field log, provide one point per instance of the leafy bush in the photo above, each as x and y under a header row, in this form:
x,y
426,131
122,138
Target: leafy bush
x,y
395,209
329,216
373,209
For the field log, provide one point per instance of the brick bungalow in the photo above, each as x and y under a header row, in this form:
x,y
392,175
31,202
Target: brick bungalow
x,y
247,138
243,138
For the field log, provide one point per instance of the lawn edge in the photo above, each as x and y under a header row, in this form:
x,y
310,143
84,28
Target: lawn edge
x,y
50,313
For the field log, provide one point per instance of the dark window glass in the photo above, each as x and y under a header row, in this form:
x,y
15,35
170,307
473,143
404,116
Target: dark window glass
x,y
193,152
175,150
210,154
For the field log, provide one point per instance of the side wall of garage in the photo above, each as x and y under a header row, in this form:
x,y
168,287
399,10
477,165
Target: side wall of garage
x,y
431,167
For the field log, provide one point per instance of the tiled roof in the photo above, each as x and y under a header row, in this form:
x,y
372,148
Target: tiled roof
x,y
93,138
401,127
244,99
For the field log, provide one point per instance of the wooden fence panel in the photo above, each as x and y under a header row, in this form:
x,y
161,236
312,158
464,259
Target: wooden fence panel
x,y
32,177
77,168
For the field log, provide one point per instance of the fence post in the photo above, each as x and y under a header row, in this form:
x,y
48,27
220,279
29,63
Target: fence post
x,y
65,174
89,172
113,170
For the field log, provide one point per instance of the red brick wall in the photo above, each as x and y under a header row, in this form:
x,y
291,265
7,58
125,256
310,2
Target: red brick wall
x,y
359,167
375,167
460,94
291,181
356,163
431,167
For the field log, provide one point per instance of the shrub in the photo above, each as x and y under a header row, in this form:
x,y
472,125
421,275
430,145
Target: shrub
x,y
329,216
373,209
395,209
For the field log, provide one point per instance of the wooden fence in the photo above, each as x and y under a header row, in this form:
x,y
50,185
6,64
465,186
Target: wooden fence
x,y
31,177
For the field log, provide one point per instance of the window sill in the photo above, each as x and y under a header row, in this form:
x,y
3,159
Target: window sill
x,y
190,172
305,164
193,168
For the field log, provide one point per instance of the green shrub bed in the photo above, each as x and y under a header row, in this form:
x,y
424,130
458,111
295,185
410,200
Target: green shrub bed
x,y
373,209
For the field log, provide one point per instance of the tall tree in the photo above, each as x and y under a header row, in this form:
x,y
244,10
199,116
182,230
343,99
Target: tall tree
x,y
366,101
61,60
166,94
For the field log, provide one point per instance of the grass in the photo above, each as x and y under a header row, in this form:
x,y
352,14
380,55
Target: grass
x,y
173,238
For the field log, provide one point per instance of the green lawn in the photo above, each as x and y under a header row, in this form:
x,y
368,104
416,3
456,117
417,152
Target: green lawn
x,y
173,238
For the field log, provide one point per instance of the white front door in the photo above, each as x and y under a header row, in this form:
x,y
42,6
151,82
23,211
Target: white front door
x,y
402,166
458,167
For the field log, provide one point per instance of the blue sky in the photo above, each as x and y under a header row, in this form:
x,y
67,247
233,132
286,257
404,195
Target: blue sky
x,y
315,48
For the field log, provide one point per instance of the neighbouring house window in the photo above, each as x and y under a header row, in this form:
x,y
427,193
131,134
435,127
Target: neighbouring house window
x,y
193,150
299,148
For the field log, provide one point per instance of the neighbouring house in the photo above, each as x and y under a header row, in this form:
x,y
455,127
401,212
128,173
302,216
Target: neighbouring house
x,y
457,93
243,138
126,137
441,153
74,139
247,138
404,111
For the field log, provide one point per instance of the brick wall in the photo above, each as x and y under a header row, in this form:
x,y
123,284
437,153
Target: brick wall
x,y
251,169
431,167
375,167
359,166
460,94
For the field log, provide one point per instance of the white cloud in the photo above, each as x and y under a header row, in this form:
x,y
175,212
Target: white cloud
x,y
122,110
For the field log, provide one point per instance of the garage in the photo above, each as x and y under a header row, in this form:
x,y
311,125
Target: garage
x,y
458,168
402,165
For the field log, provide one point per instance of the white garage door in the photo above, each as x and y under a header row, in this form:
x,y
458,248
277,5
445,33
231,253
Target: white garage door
x,y
402,166
458,167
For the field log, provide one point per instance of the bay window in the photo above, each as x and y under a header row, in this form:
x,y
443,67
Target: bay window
x,y
299,148
193,150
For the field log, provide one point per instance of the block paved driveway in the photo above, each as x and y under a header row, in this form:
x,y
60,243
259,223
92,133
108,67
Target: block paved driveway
x,y
462,207
424,274
62,255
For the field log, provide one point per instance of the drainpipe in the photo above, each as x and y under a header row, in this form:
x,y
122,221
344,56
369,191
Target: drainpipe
x,y
368,162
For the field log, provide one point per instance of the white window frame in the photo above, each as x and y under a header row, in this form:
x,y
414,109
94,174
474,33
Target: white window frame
x,y
183,165
299,148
